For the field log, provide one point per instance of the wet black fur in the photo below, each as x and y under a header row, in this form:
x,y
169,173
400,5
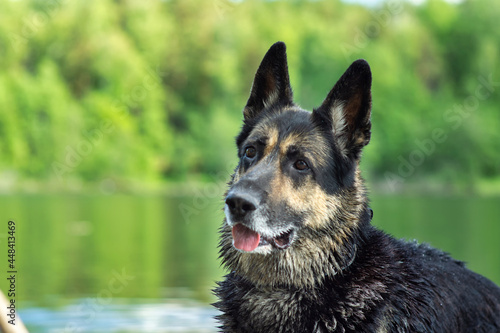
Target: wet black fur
x,y
384,284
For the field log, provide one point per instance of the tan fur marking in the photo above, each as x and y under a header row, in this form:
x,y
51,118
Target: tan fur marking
x,y
290,140
268,132
338,118
339,122
310,198
315,146
272,140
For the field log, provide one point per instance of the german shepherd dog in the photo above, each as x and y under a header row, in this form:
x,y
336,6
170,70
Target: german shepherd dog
x,y
297,238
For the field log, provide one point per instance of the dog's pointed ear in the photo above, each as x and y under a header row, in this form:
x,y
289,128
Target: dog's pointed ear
x,y
271,84
347,109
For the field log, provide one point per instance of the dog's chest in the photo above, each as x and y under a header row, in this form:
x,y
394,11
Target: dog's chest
x,y
334,307
284,310
275,311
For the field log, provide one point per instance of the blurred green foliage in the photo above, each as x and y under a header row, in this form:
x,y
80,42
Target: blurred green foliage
x,y
147,91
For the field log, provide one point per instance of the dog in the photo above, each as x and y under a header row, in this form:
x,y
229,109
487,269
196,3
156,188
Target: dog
x,y
297,238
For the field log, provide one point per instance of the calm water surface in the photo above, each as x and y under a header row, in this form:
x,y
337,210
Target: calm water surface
x,y
126,263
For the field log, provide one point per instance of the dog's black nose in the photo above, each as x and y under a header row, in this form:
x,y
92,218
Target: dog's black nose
x,y
239,204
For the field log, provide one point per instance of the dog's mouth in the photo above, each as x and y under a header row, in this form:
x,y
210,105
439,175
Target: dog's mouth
x,y
245,239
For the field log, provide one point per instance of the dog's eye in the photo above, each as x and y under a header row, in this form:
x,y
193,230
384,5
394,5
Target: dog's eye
x,y
250,152
301,165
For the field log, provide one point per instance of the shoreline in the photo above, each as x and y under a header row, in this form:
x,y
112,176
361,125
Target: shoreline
x,y
199,186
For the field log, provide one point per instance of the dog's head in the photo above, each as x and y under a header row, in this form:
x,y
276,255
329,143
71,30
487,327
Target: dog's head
x,y
296,199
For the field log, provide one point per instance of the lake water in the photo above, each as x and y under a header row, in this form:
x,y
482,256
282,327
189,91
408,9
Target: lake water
x,y
131,263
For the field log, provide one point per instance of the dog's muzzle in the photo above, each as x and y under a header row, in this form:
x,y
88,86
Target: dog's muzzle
x,y
249,230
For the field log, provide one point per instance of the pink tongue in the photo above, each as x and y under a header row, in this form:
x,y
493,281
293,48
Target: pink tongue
x,y
245,239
